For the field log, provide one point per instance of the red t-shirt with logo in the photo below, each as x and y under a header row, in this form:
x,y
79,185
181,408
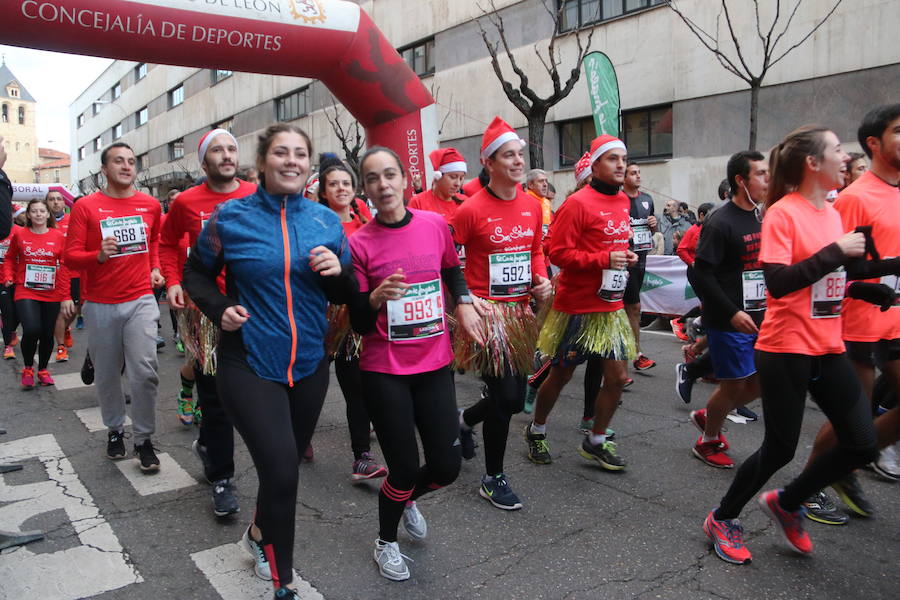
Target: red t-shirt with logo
x,y
586,228
428,201
34,263
4,244
793,230
124,277
502,240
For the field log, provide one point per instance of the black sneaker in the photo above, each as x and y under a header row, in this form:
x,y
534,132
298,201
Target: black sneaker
x,y
146,453
747,413
224,501
284,593
604,453
538,448
87,370
684,385
203,454
495,489
466,440
822,509
851,494
115,445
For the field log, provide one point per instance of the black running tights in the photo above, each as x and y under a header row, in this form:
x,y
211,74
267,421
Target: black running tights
x,y
276,423
505,397
399,405
349,378
8,313
38,320
784,381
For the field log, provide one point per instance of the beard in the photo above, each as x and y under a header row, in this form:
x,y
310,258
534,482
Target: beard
x,y
216,176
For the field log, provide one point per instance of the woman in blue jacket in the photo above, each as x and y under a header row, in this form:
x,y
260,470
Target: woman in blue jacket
x,y
285,258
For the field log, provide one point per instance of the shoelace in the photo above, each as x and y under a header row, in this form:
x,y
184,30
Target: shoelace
x,y
393,553
734,531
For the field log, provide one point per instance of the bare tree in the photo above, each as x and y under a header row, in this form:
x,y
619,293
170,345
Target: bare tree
x,y
523,96
350,136
734,58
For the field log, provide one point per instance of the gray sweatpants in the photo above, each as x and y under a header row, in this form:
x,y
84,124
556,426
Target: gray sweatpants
x,y
126,333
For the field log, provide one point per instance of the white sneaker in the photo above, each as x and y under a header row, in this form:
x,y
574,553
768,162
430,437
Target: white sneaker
x,y
413,522
887,464
261,563
390,561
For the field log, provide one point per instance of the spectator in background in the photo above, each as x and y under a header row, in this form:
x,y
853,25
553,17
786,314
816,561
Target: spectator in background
x,y
724,190
855,167
250,175
671,222
687,213
687,248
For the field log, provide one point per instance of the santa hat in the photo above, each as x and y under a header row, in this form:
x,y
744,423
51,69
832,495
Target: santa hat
x,y
498,133
603,144
207,139
583,168
18,209
447,160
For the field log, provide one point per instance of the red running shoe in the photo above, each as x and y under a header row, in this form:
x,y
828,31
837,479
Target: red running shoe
x,y
698,418
643,363
688,351
712,453
44,378
791,523
678,330
727,538
68,338
28,378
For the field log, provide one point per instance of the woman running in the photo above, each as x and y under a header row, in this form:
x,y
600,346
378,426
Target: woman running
x,y
33,264
804,254
284,258
337,191
404,261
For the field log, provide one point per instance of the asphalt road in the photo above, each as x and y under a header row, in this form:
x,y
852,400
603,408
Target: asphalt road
x,y
583,533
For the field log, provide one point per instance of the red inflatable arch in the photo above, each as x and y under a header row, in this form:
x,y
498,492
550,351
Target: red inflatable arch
x,y
333,41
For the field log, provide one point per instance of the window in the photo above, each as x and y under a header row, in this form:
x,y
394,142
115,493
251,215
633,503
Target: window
x,y
293,106
95,108
227,125
579,13
13,91
80,120
220,74
82,153
21,115
420,57
5,115
143,161
140,117
140,71
176,149
116,91
98,144
117,131
56,175
574,138
648,132
176,96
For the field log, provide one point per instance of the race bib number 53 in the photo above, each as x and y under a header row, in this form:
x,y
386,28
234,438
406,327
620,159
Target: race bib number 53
x,y
129,233
418,314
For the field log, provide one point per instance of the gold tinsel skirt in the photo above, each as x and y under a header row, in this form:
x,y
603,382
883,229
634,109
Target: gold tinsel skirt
x,y
199,336
606,334
511,330
340,340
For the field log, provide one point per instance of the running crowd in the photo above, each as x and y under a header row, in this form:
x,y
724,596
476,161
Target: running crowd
x,y
271,280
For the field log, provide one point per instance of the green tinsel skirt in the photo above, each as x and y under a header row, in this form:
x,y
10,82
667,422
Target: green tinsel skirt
x,y
604,334
510,330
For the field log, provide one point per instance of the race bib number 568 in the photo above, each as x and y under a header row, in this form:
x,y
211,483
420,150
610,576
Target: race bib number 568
x,y
129,233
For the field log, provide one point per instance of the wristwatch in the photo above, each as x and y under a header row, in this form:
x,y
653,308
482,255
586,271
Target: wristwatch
x,y
465,299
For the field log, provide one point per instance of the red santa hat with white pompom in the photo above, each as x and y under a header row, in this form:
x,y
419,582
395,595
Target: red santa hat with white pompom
x,y
497,133
447,160
603,144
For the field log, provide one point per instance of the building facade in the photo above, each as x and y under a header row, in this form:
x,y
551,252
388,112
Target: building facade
x,y
682,113
53,167
17,127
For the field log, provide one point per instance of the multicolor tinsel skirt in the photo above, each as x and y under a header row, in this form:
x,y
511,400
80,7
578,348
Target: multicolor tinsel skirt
x,y
340,340
574,338
200,337
511,330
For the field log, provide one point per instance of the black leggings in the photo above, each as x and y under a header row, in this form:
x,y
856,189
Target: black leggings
x,y
505,397
784,381
349,378
38,320
276,423
8,312
593,381
216,432
399,405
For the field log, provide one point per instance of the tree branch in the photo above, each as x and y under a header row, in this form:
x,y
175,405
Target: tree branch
x,y
702,36
806,37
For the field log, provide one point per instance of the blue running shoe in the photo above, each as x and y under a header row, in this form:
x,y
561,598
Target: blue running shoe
x,y
495,489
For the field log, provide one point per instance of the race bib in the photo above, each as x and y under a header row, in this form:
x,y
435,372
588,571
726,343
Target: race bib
x,y
4,248
461,253
129,232
612,288
827,295
893,282
418,314
510,274
754,290
643,239
40,277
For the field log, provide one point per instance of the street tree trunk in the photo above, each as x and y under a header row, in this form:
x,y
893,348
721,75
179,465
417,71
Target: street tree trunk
x,y
537,118
754,112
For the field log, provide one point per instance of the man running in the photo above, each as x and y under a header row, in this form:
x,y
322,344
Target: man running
x,y
188,213
729,282
113,238
589,241
643,226
61,333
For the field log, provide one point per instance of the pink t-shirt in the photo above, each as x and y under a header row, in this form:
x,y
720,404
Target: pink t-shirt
x,y
411,334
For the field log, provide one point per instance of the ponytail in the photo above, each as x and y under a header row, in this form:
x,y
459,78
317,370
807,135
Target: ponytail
x,y
787,160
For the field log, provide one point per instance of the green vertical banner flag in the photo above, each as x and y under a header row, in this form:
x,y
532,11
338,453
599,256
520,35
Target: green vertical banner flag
x,y
603,88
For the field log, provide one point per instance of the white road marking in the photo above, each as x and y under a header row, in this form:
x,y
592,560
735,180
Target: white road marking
x,y
97,566
92,419
170,476
230,571
668,333
68,381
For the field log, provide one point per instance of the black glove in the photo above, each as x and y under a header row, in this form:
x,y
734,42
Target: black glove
x,y
871,250
874,293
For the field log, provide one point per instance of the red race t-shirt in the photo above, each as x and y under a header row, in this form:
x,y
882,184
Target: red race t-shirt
x,y
587,227
4,244
134,222
871,201
502,240
34,263
428,201
807,321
